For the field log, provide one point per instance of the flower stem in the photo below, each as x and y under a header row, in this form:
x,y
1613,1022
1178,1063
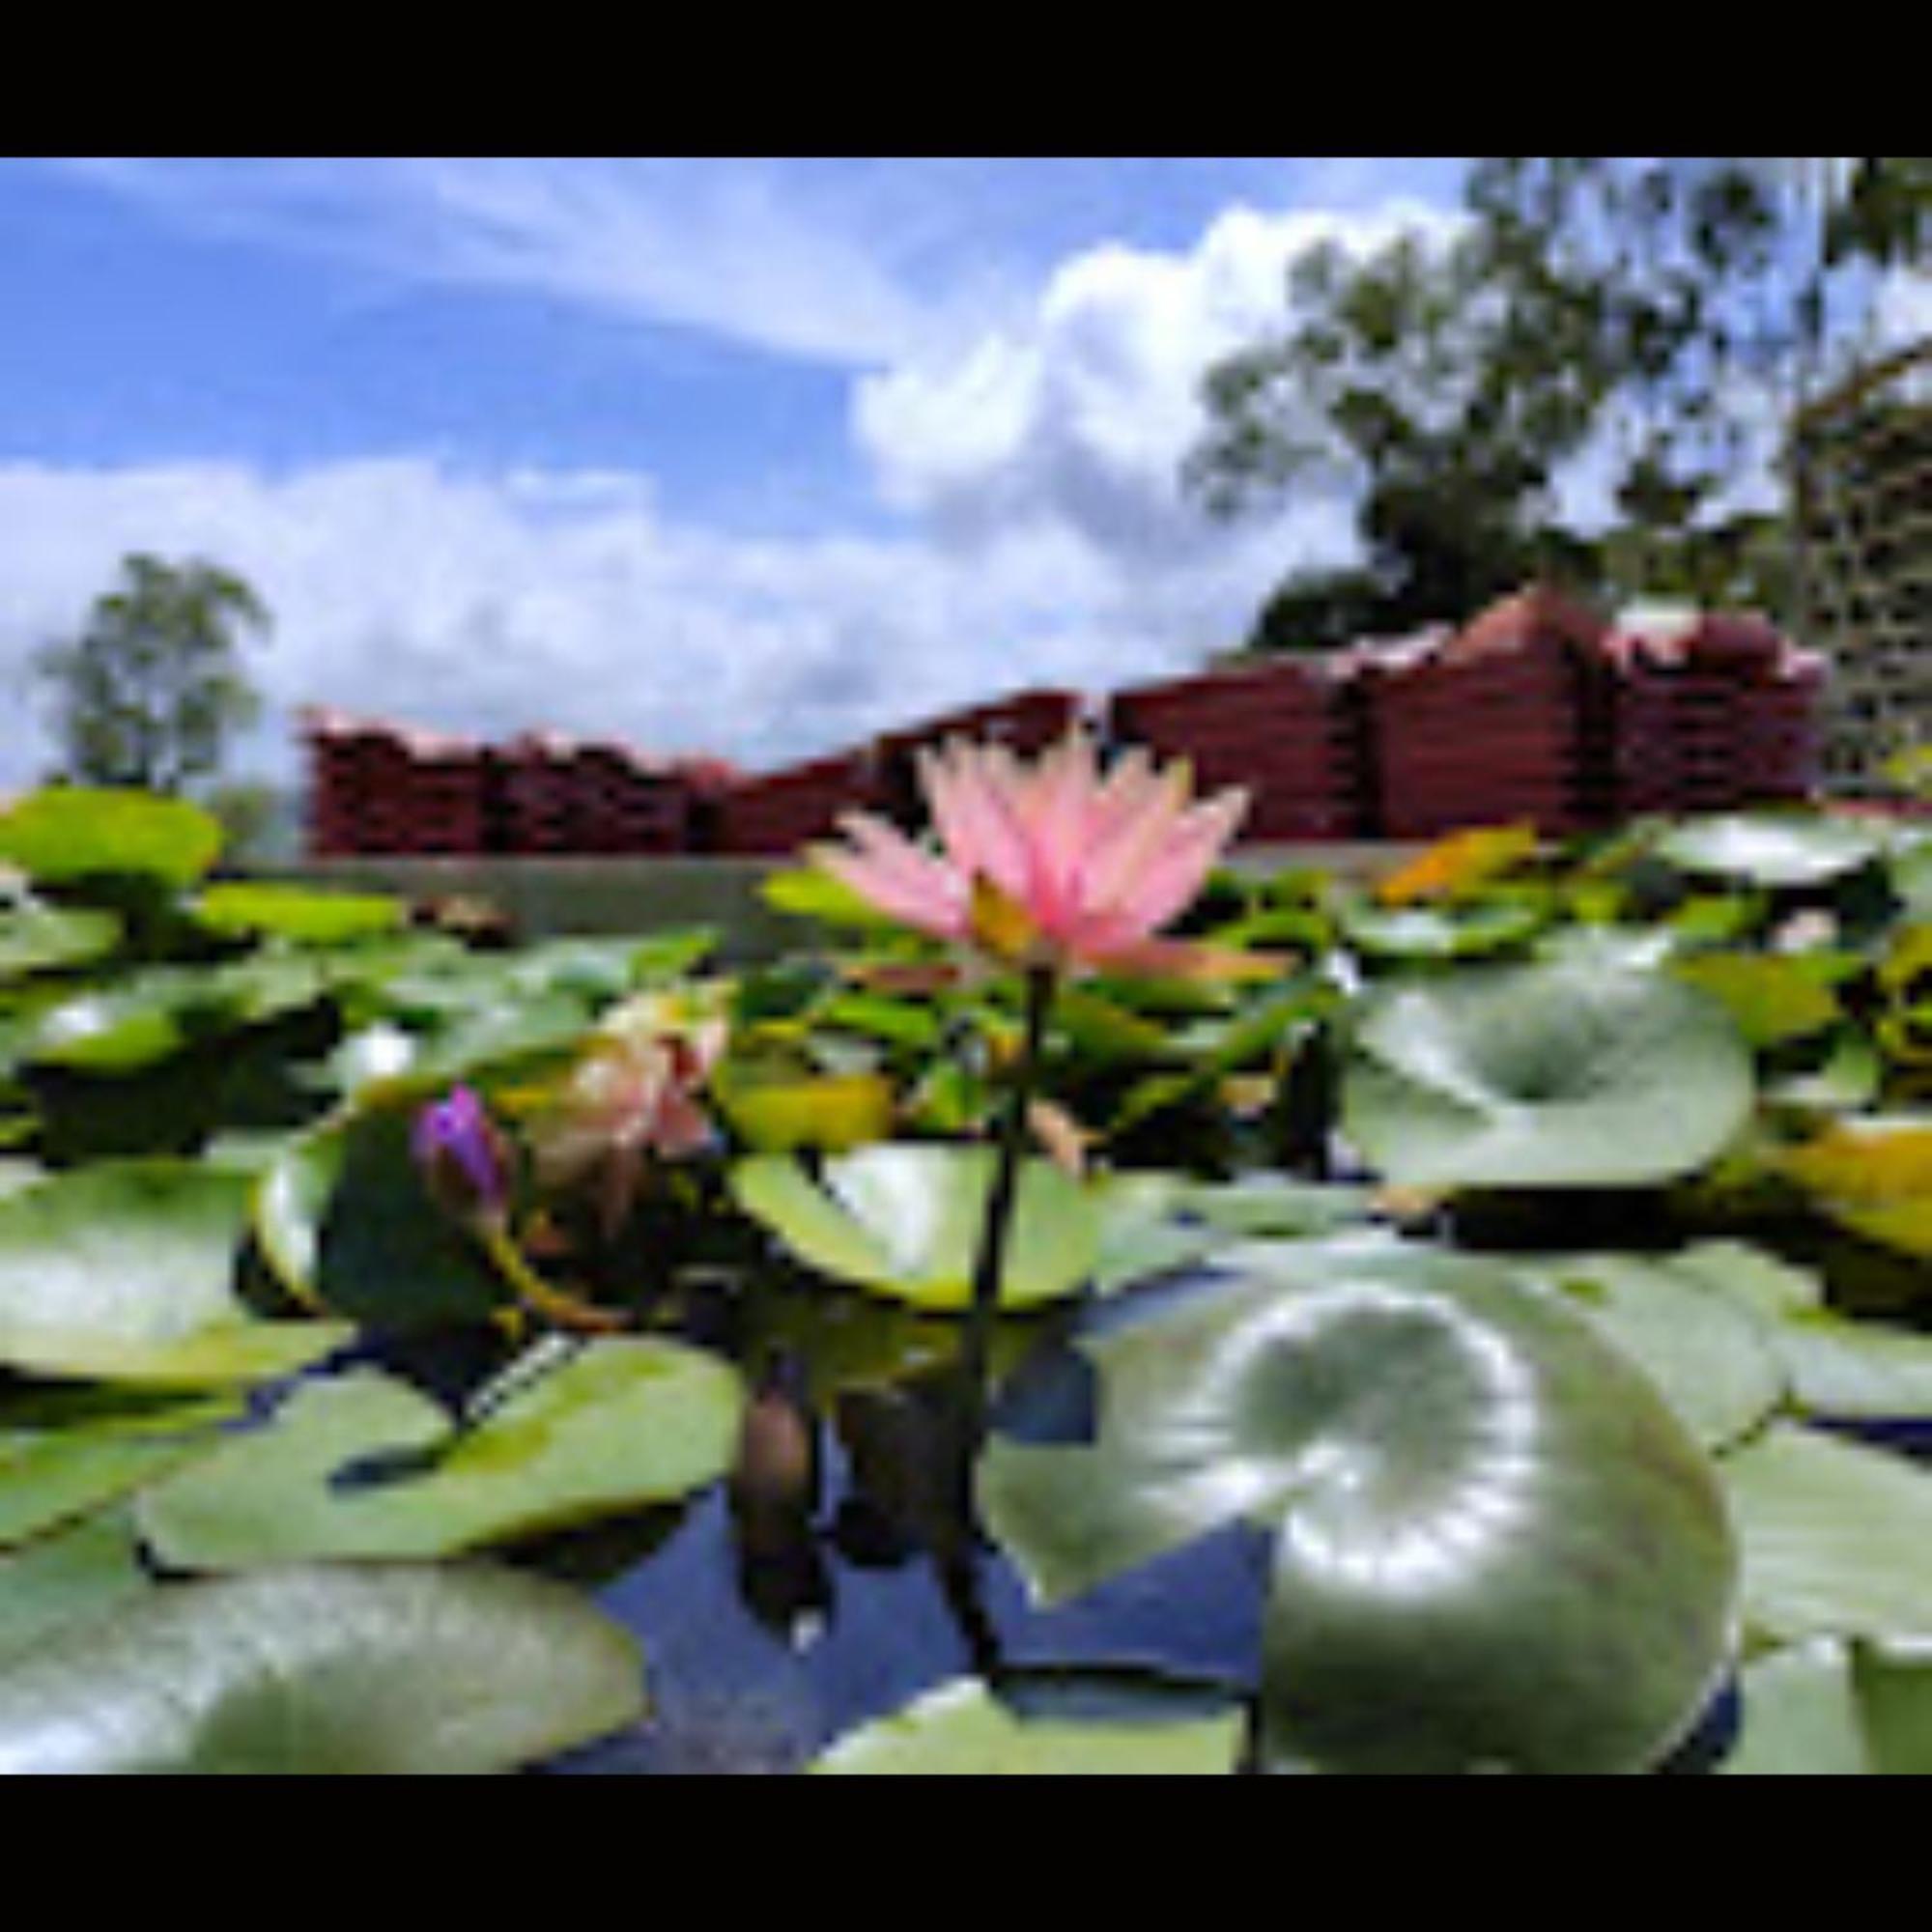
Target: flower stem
x,y
989,1265
563,1310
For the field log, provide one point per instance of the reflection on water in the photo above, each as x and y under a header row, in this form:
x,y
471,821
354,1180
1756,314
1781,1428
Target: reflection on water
x,y
757,1659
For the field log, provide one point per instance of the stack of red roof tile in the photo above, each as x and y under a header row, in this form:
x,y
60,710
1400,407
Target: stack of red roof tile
x,y
1287,729
1716,711
1501,722
537,789
778,811
378,788
1025,720
625,802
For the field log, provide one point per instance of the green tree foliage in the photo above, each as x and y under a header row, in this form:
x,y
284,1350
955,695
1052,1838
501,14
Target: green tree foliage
x,y
1585,302
149,693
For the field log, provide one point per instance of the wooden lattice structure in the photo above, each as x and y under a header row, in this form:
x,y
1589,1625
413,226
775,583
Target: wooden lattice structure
x,y
1861,472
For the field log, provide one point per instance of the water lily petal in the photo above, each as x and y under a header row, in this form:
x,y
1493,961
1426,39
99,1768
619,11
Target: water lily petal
x,y
883,865
975,796
1142,809
1173,872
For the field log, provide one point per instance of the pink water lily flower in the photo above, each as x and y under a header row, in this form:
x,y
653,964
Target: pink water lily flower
x,y
1058,865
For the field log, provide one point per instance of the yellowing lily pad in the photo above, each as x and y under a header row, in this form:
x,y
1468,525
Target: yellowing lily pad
x,y
1873,1174
62,833
833,1112
299,913
1457,864
962,1730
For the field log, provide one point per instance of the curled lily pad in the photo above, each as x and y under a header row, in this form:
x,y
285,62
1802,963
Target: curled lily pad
x,y
1495,1545
1544,1075
1772,849
904,1219
360,1464
125,1271
395,1668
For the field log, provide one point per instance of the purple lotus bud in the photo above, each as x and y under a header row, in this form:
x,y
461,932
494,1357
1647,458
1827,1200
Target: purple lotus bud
x,y
464,1160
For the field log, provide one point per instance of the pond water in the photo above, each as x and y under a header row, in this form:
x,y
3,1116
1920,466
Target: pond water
x,y
751,1679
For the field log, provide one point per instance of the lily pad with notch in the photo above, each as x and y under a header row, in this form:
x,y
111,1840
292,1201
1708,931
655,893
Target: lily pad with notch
x,y
1494,1544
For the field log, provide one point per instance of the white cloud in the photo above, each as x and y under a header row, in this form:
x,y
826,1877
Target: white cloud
x,y
1081,412
491,604
1035,458
788,257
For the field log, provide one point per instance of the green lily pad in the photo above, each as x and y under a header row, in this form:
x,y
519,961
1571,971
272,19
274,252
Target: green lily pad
x,y
66,1452
360,1464
1772,849
1910,865
35,938
303,913
395,1668
346,1223
1834,1365
1828,1708
1801,1716
1707,1355
962,1730
124,1271
1544,1075
145,1017
63,833
61,1579
1494,1544
1441,931
904,1219
1729,1332
1837,1537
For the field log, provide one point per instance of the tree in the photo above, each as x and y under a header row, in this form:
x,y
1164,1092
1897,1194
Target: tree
x,y
149,691
1644,310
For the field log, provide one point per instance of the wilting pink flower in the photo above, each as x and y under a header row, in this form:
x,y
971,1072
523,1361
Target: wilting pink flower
x,y
1057,863
464,1160
632,1096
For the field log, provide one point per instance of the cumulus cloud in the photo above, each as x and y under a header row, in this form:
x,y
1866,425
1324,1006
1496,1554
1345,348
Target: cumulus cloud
x,y
1081,412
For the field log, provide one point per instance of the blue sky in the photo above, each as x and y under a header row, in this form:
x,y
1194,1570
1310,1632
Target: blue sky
x,y
749,455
